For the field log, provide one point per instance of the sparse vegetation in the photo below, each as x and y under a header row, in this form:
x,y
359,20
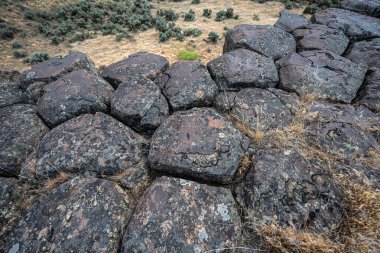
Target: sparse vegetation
x,y
16,45
207,13
189,16
213,37
37,57
225,14
19,54
187,55
256,17
195,1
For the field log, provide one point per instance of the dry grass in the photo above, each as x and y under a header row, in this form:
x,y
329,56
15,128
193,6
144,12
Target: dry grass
x,y
52,183
244,166
256,135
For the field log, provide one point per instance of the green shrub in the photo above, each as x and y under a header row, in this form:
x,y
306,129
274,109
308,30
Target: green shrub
x,y
179,36
207,13
192,32
227,14
220,15
230,13
37,57
16,45
195,1
190,16
19,54
165,36
288,4
186,55
55,40
8,32
168,14
256,17
213,37
122,35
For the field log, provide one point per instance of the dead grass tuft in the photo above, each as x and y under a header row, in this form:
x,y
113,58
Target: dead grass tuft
x,y
256,135
245,164
52,183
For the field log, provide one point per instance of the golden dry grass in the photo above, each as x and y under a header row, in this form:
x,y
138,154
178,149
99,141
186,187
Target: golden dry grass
x,y
104,50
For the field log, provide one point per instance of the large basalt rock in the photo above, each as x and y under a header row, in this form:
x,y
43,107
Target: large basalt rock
x,y
74,94
9,196
290,22
50,70
20,131
321,37
224,102
141,64
11,93
284,187
243,68
95,143
366,53
269,41
81,215
199,144
187,84
366,7
322,73
354,25
139,104
261,110
370,95
176,215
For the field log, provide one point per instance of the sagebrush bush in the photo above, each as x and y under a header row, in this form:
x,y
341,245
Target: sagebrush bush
x,y
16,45
195,1
37,57
20,54
190,16
213,36
226,14
207,13
168,14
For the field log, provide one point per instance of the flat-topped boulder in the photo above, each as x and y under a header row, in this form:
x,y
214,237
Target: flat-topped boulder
x,y
199,144
95,143
80,215
20,131
72,95
141,64
266,40
50,70
370,95
290,22
177,215
260,110
366,7
139,104
11,93
366,52
187,84
243,68
321,37
321,73
354,25
284,187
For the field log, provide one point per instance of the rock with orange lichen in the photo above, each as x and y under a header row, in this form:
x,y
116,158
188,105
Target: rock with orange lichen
x,y
199,144
177,215
80,215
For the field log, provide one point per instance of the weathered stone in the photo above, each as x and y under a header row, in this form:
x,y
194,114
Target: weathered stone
x,y
224,102
10,94
74,94
9,196
35,91
50,70
321,37
20,131
199,144
267,40
284,187
187,84
261,110
366,7
290,100
141,64
243,68
370,95
290,22
95,143
354,25
366,53
9,76
139,104
81,215
322,73
176,215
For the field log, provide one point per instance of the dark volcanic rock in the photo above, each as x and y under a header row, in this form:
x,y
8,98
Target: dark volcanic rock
x,y
283,186
243,68
199,144
354,25
370,95
50,70
290,22
367,7
9,76
35,91
96,143
267,40
225,101
366,53
20,131
261,109
322,73
76,93
11,93
81,215
290,100
321,37
139,104
141,64
187,84
8,199
176,215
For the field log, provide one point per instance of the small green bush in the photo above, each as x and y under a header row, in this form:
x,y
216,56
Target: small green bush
x,y
226,14
256,17
192,32
16,45
8,32
37,57
190,16
207,13
289,4
186,55
213,37
19,54
165,36
55,40
220,15
195,1
168,14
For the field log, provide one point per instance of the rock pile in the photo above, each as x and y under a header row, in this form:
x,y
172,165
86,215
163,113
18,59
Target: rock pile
x,y
147,157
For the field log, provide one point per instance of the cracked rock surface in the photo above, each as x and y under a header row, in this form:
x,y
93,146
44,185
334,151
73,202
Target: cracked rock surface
x,y
366,53
367,7
370,95
290,22
177,215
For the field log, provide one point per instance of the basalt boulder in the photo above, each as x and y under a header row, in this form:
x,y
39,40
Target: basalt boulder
x,y
74,94
290,22
177,215
243,68
266,40
11,93
370,95
366,53
366,7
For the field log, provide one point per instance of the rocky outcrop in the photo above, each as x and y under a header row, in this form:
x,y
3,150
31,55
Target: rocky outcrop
x,y
366,7
370,95
366,53
290,22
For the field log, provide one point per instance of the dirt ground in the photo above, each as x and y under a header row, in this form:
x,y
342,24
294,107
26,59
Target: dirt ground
x,y
104,50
